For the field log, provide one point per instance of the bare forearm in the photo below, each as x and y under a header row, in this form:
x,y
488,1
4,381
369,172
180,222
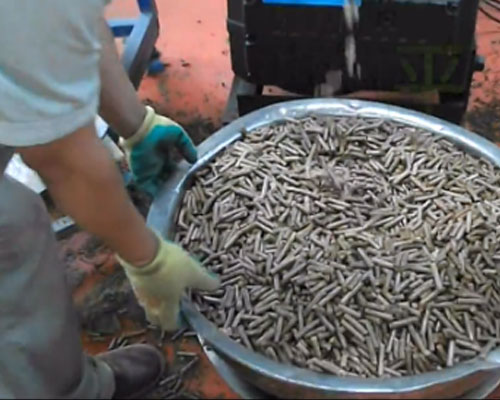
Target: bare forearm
x,y
120,107
85,184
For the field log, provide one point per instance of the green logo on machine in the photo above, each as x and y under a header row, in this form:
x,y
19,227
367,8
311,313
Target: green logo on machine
x,y
436,64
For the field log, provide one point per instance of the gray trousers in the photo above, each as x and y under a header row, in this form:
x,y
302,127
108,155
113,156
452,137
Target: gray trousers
x,y
40,351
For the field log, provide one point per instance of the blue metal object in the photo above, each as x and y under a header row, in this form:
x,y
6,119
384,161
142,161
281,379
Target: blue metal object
x,y
147,6
156,67
140,36
121,27
323,3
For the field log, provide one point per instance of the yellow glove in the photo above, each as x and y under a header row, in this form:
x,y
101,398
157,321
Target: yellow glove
x,y
160,285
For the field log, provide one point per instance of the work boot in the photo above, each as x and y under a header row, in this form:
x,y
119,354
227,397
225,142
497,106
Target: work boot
x,y
136,368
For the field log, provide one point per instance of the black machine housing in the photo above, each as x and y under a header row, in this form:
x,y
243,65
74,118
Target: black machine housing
x,y
402,45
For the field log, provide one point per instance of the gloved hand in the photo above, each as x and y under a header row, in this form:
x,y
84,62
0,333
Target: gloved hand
x,y
147,150
160,285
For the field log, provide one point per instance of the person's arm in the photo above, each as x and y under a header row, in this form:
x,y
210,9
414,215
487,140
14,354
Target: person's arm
x,y
85,183
148,137
119,106
50,122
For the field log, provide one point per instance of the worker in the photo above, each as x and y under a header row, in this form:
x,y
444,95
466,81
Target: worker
x,y
58,68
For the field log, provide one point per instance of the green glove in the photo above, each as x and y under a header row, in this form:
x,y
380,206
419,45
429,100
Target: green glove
x,y
148,150
160,285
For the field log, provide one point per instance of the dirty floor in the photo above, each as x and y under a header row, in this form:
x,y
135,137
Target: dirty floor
x,y
193,90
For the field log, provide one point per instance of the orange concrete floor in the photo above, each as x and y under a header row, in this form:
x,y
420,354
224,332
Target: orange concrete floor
x,y
193,90
194,46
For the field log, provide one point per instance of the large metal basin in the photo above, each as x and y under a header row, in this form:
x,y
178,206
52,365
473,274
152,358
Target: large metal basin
x,y
287,381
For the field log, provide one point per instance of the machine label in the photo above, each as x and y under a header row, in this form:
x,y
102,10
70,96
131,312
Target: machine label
x,y
437,66
325,3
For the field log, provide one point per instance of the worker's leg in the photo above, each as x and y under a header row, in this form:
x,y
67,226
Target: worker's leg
x,y
39,333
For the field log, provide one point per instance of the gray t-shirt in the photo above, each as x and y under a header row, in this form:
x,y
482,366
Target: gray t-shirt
x,y
49,68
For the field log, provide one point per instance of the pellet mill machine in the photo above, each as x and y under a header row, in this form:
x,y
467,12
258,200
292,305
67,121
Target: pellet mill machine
x,y
416,53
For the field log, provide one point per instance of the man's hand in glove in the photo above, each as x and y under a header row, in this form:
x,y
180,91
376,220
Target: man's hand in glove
x,y
160,284
148,150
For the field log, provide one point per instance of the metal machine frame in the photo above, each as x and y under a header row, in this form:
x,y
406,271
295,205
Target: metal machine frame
x,y
400,60
141,34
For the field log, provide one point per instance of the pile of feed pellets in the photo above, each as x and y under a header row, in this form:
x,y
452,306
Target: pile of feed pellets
x,y
350,246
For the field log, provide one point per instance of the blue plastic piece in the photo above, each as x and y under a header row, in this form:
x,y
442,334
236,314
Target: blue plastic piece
x,y
128,178
121,27
140,35
145,6
327,3
124,27
156,67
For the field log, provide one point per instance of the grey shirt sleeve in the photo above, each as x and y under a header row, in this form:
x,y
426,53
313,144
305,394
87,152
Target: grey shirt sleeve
x,y
49,68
